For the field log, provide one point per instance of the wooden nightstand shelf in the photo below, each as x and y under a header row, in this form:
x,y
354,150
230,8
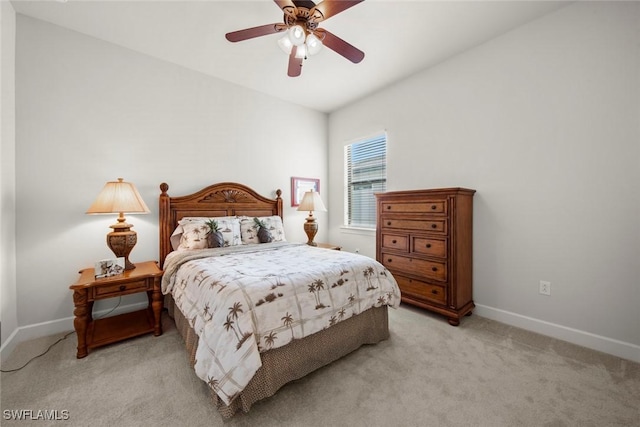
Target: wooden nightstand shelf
x,y
95,333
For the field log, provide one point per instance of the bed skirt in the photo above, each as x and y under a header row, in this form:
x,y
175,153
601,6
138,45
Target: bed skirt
x,y
296,359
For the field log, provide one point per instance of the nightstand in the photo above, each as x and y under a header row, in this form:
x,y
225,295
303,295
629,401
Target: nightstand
x,y
329,246
92,333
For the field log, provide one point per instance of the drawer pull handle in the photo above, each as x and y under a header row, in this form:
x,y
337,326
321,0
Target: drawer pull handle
x,y
388,222
428,245
433,226
394,241
389,260
434,268
434,291
388,207
433,207
122,288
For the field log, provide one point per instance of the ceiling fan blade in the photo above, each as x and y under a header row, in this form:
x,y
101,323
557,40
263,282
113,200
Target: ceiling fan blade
x,y
339,46
328,8
295,64
249,33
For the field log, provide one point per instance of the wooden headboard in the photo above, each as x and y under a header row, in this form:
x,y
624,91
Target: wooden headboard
x,y
223,199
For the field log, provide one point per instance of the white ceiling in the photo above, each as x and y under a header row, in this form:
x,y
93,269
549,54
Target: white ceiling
x,y
399,38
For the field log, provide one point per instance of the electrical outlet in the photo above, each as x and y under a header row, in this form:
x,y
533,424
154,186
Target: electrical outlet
x,y
545,287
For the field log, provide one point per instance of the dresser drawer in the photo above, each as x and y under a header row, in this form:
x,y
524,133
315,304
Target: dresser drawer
x,y
434,207
117,289
423,290
429,246
395,241
432,225
429,269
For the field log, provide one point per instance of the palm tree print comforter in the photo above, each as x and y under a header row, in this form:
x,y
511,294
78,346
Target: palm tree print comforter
x,y
243,300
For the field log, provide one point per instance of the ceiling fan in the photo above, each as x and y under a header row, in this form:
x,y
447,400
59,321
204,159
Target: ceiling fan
x,y
302,37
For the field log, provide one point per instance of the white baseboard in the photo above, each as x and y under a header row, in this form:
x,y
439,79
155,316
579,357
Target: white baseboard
x,y
617,348
38,330
8,346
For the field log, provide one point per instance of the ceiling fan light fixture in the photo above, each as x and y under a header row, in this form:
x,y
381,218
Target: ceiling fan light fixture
x,y
297,35
302,51
313,44
285,43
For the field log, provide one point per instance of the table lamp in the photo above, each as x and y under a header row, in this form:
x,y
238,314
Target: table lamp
x,y
311,201
120,197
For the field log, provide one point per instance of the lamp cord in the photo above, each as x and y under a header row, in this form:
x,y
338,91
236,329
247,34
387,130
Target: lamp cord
x,y
60,339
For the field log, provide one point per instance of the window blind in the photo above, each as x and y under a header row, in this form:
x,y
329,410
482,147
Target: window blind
x,y
365,165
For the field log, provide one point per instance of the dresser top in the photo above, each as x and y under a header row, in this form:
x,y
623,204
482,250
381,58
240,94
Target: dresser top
x,y
425,192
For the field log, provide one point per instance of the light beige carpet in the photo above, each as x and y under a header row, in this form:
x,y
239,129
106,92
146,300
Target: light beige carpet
x,y
428,373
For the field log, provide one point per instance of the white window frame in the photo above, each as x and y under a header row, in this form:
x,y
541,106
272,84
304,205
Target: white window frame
x,y
360,206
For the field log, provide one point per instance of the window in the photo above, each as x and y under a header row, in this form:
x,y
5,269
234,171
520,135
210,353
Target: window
x,y
365,166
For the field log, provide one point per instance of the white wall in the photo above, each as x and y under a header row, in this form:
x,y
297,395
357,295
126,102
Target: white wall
x,y
544,123
89,111
8,314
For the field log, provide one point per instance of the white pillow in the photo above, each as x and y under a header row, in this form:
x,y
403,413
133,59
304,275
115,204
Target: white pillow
x,y
249,231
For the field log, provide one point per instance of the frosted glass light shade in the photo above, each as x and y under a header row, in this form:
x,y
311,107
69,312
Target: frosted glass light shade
x,y
296,35
285,43
313,44
302,51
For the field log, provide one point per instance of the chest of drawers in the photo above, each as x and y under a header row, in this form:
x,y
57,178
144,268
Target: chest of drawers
x,y
424,238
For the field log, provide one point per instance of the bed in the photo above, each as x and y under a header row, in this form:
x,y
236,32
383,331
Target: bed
x,y
253,317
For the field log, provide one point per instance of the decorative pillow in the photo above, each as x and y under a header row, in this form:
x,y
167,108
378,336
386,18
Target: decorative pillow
x,y
249,230
194,236
176,236
194,231
264,235
215,238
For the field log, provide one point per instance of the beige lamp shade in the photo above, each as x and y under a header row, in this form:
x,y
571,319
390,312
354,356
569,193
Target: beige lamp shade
x,y
311,201
120,197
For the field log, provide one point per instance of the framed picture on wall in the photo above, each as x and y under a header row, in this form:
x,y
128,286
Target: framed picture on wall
x,y
301,185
